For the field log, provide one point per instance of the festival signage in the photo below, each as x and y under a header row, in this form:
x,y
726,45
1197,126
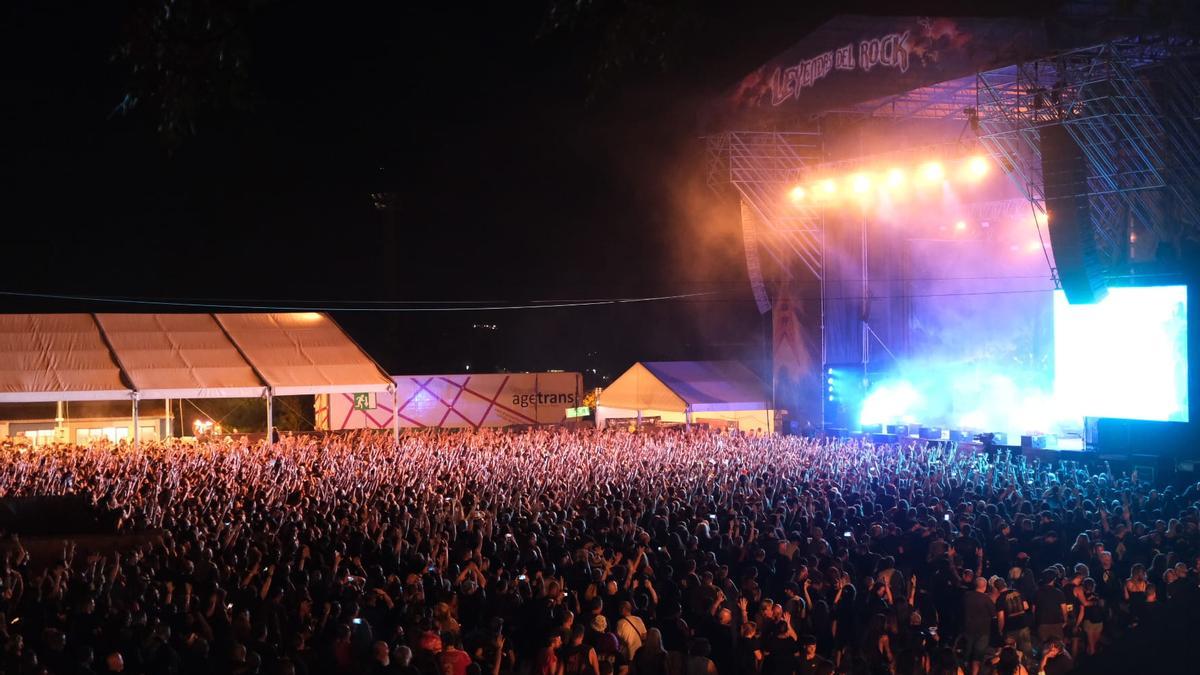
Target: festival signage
x,y
854,59
456,401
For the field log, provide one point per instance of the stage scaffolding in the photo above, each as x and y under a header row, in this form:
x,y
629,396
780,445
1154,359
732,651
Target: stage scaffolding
x,y
762,167
1130,104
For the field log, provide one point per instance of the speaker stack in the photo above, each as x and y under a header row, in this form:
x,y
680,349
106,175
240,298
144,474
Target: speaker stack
x,y
1072,234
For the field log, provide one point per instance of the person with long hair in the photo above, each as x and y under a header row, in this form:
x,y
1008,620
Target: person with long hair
x,y
651,657
1091,615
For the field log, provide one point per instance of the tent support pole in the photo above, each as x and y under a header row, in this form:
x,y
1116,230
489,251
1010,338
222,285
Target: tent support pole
x,y
137,429
270,420
167,422
687,418
638,427
396,416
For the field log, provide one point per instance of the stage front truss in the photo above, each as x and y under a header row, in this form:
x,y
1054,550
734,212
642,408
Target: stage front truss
x,y
1131,105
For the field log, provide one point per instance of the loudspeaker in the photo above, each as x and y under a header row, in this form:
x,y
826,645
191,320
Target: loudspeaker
x,y
1072,234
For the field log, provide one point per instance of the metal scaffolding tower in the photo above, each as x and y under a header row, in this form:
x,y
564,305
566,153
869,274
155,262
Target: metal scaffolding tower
x,y
762,167
1131,106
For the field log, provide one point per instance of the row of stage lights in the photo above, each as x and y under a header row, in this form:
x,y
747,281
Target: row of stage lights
x,y
894,182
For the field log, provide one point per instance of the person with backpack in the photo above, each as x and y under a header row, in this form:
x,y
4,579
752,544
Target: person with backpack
x,y
1012,616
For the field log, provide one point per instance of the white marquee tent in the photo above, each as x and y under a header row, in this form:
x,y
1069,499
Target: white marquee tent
x,y
717,393
104,357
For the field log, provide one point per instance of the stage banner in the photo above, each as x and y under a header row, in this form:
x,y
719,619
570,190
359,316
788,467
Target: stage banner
x,y
457,401
855,59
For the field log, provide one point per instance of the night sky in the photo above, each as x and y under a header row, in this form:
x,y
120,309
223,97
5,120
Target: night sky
x,y
520,166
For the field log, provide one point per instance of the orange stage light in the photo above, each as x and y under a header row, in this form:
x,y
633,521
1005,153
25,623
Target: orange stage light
x,y
860,183
895,179
797,194
976,168
827,187
932,172
960,225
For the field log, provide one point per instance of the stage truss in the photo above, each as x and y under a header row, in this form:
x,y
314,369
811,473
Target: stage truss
x,y
1131,105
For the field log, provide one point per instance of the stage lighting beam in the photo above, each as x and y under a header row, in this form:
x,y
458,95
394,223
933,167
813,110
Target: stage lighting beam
x,y
932,172
860,183
976,168
797,194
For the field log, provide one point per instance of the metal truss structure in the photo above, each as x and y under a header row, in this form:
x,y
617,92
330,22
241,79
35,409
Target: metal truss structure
x,y
1131,105
761,167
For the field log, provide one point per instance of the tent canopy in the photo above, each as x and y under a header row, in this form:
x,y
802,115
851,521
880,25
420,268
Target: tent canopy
x,y
90,357
179,356
696,386
56,357
304,353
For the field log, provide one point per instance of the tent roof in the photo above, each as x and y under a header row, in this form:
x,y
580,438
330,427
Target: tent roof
x,y
680,385
179,356
91,357
56,357
304,353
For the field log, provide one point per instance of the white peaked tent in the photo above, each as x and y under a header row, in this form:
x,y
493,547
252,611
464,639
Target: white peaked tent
x,y
106,357
716,393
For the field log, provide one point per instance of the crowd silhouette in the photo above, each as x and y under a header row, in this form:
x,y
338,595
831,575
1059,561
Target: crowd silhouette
x,y
562,552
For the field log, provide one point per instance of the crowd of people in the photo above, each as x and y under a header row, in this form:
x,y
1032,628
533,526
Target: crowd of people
x,y
560,552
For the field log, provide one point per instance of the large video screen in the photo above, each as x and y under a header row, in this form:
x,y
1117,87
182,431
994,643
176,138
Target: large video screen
x,y
1125,356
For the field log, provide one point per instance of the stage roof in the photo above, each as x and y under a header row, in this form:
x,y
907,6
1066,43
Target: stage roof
x,y
96,357
699,386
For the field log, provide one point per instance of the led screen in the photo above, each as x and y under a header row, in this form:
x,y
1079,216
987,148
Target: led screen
x,y
1125,356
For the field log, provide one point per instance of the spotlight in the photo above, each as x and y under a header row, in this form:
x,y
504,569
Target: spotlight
x,y
932,172
797,194
1033,246
960,225
976,168
894,179
827,187
860,183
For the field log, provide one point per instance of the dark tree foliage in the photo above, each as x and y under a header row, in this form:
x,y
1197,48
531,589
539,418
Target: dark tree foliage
x,y
624,34
184,60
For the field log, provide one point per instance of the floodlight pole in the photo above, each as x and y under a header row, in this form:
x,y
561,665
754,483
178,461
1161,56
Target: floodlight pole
x,y
395,415
137,430
270,420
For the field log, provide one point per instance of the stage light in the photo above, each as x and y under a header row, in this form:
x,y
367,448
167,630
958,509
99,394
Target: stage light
x,y
827,187
932,172
976,168
860,183
960,225
797,194
1033,246
894,179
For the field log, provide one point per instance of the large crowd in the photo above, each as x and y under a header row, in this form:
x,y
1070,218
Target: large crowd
x,y
560,552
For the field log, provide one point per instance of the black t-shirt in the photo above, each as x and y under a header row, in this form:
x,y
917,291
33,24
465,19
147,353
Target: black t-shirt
x,y
781,656
1012,604
1049,601
977,613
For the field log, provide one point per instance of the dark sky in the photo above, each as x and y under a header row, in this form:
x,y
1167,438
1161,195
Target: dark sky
x,y
516,177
